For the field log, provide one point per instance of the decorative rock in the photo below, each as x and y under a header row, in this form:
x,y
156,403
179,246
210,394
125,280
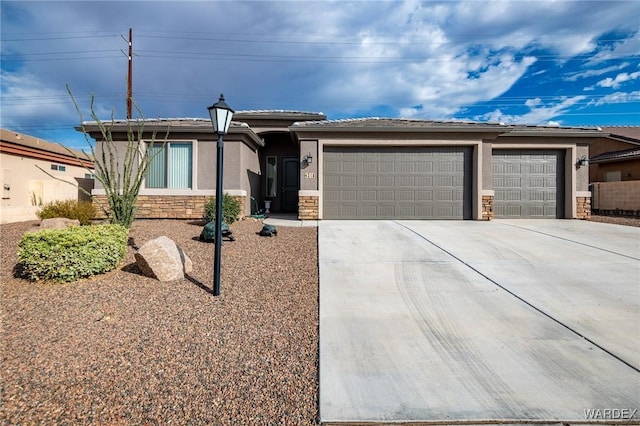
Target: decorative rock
x,y
163,260
58,223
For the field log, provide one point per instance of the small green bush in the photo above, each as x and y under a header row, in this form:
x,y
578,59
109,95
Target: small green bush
x,y
230,209
84,211
69,254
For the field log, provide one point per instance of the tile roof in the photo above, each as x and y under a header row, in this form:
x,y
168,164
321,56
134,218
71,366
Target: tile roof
x,y
378,122
278,113
418,124
32,142
625,154
630,132
171,122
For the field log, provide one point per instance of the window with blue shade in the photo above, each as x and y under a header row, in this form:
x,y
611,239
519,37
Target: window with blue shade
x,y
171,165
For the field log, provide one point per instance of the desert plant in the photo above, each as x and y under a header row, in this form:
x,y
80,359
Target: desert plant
x,y
121,178
69,254
84,211
230,209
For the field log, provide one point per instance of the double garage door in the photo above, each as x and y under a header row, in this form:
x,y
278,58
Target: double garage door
x,y
397,183
436,183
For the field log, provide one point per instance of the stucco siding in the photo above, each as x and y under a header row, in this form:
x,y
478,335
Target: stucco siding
x,y
28,184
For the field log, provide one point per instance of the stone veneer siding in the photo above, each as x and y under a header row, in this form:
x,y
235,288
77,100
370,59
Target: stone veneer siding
x,y
583,207
169,207
308,207
487,207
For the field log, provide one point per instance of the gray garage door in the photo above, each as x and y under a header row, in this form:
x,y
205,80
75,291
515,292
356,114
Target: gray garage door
x,y
528,184
397,183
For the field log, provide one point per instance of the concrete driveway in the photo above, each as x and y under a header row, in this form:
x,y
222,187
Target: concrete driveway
x,y
502,321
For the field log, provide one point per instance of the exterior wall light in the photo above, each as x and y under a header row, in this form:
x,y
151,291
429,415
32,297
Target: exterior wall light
x,y
308,158
582,161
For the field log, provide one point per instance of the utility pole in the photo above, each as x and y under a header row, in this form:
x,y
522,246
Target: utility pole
x,y
130,76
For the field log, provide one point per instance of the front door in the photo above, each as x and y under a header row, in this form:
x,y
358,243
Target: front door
x,y
290,184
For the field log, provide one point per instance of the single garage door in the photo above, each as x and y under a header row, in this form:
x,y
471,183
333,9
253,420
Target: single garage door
x,y
528,184
397,183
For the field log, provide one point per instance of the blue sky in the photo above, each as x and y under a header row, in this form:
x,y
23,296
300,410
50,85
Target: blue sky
x,y
569,63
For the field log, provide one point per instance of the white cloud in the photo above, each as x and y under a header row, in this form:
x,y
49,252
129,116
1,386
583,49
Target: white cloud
x,y
618,80
538,113
627,47
594,72
27,98
414,58
617,98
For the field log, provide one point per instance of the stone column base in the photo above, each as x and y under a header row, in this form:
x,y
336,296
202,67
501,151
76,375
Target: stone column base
x,y
308,207
487,207
583,207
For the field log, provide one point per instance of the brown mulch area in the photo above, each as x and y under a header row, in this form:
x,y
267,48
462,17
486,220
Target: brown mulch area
x,y
123,348
618,220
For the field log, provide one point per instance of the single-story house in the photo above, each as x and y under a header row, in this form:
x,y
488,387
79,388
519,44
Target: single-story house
x,y
25,187
614,171
616,158
370,168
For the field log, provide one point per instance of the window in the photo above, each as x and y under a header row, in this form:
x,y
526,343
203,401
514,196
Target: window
x,y
58,167
613,176
171,165
271,176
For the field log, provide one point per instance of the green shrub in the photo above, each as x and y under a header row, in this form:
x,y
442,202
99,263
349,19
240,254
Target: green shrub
x,y
84,211
230,209
69,254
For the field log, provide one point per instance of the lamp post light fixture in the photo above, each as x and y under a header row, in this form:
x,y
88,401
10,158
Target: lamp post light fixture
x,y
221,115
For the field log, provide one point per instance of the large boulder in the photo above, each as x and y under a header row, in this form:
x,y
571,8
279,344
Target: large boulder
x,y
58,223
163,259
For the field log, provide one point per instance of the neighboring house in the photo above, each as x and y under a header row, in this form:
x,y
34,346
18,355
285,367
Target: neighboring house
x,y
614,171
25,187
616,158
367,168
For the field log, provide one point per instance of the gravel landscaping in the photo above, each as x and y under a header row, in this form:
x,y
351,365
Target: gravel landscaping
x,y
122,348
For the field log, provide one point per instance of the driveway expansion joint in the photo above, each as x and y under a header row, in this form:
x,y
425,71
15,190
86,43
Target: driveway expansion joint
x,y
521,299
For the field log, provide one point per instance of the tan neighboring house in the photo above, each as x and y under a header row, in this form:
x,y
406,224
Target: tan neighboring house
x,y
25,187
372,168
614,171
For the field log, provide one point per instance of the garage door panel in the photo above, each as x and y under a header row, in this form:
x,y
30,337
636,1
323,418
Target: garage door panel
x,y
350,166
398,182
370,167
406,195
528,183
367,181
424,167
349,181
406,181
424,181
387,167
407,167
369,195
369,209
386,181
386,211
386,195
422,195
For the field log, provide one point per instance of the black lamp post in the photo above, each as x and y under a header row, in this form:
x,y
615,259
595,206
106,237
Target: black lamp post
x,y
221,114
